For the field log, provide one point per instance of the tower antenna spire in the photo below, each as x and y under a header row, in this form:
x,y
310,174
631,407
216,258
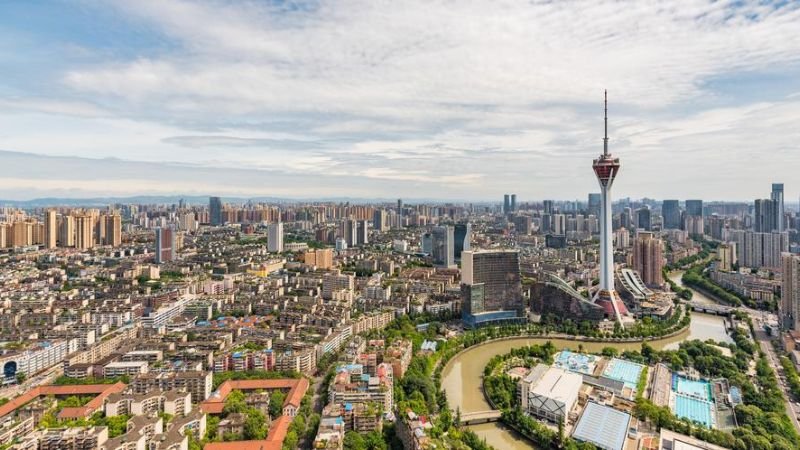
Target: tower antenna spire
x,y
605,137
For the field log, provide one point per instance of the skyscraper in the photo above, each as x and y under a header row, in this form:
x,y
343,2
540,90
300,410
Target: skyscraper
x,y
593,206
275,237
671,213
694,207
380,220
400,212
66,231
491,289
506,204
513,202
113,227
648,258
443,246
215,210
50,229
790,291
350,232
764,215
362,232
606,169
644,219
165,245
777,198
84,238
547,207
462,233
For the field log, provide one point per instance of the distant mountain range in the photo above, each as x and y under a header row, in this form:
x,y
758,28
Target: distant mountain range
x,y
191,200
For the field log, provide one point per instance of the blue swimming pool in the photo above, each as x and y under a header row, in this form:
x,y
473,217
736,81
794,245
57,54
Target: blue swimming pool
x,y
699,389
693,409
575,362
626,371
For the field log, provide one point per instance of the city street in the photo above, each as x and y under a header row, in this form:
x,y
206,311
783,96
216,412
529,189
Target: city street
x,y
766,346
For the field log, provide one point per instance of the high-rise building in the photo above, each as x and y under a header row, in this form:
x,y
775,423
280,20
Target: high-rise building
x,y
695,225
546,223
462,233
622,239
764,215
606,168
99,229
790,291
443,246
491,287
694,207
727,256
777,199
50,229
84,236
166,245
21,234
349,231
380,220
321,258
113,227
626,219
215,210
671,213
426,243
506,203
760,249
66,231
513,202
522,224
362,232
644,219
648,258
559,224
275,237
593,205
547,207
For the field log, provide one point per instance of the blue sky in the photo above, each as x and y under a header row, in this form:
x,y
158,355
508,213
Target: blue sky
x,y
421,99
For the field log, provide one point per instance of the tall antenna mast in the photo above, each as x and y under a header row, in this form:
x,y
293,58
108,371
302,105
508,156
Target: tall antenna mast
x,y
605,138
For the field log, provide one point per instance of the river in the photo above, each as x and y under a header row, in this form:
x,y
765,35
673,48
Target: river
x,y
461,378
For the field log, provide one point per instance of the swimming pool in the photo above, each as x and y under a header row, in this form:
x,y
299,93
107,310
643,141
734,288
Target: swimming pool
x,y
575,362
699,389
695,410
626,371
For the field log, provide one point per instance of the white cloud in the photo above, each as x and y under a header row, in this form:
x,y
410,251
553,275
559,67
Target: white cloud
x,y
485,97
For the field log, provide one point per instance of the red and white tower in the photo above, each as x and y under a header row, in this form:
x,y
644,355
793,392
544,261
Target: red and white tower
x,y
606,167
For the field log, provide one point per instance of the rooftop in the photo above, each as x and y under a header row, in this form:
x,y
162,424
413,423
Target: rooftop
x,y
603,426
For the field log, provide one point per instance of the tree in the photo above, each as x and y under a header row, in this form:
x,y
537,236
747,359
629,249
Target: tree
x,y
354,441
211,427
117,425
276,400
255,425
21,377
235,403
610,352
290,441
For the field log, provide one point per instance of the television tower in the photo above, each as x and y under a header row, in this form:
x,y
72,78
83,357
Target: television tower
x,y
606,168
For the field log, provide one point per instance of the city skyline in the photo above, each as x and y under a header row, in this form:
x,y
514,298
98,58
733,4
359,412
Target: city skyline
x,y
279,100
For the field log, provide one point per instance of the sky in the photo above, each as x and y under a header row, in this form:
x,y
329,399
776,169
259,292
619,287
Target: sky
x,y
451,100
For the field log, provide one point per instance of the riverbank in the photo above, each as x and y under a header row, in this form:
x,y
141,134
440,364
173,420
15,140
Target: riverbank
x,y
461,375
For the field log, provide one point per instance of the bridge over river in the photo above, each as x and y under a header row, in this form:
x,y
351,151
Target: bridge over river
x,y
720,310
474,418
